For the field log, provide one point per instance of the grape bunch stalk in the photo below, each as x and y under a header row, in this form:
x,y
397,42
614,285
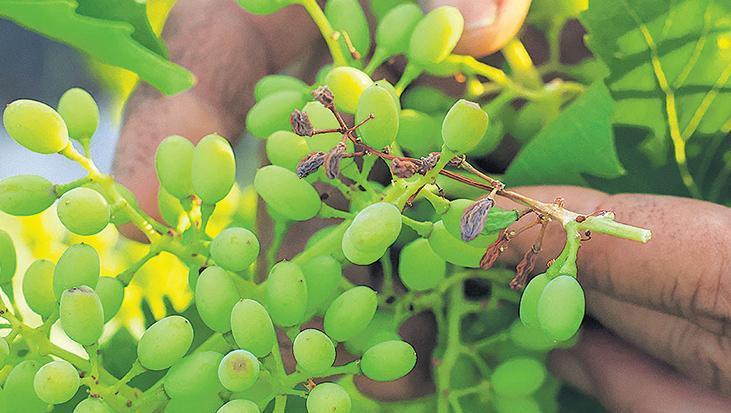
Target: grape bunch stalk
x,y
332,134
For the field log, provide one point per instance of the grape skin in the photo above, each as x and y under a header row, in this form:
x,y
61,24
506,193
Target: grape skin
x,y
350,313
56,382
79,265
420,268
238,370
82,315
388,361
195,375
111,294
165,342
38,287
83,211
328,398
252,327
235,249
286,294
561,307
518,377
314,351
25,195
215,297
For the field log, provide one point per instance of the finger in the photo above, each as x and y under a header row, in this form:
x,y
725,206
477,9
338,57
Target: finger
x,y
489,24
682,270
626,380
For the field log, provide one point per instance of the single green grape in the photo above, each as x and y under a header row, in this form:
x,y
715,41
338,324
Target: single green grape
x,y
561,307
25,195
80,113
464,126
288,195
165,342
435,36
285,295
518,377
8,258
82,315
271,84
215,297
4,351
252,327
420,268
83,211
111,294
350,313
174,164
418,133
79,265
388,361
18,388
169,206
328,398
529,300
238,370
36,126
427,99
394,30
214,168
516,405
286,149
239,406
322,275
380,131
347,85
348,17
263,6
92,405
372,231
56,382
314,351
194,375
454,250
381,328
38,288
272,113
235,249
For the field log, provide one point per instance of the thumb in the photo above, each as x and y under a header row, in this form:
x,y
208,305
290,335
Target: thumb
x,y
489,24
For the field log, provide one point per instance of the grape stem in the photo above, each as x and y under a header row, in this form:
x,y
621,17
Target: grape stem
x,y
327,31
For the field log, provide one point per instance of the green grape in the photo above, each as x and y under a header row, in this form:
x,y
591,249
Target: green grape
x,y
18,388
263,6
239,406
92,405
271,84
561,307
83,211
516,405
427,99
381,328
165,342
529,300
25,195
380,131
322,118
252,327
56,382
214,168
286,294
82,315
111,294
372,231
453,217
388,361
238,370
420,268
173,164
518,377
272,113
418,133
119,216
285,193
328,398
209,402
38,288
347,85
314,351
392,90
79,265
322,275
36,126
215,297
435,36
194,375
464,126
350,313
394,30
235,249
169,206
8,258
4,351
80,113
286,149
348,17
530,338
454,250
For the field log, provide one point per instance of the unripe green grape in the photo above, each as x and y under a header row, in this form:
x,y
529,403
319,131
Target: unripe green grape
x,y
347,16
38,288
516,405
372,231
418,133
4,351
80,113
272,113
25,195
464,126
165,342
380,131
288,195
286,149
238,370
322,118
529,300
561,307
173,164
194,375
18,388
83,211
239,406
36,126
79,265
82,315
518,377
388,361
347,85
381,328
8,258
235,249
453,217
252,327
391,89
286,294
394,30
271,84
214,168
169,206
328,398
420,268
215,297
111,294
314,351
435,36
92,405
322,275
56,382
427,99
263,6
530,338
350,313
454,250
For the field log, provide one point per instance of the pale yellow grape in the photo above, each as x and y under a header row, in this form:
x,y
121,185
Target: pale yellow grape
x,y
165,342
313,351
215,297
435,36
80,113
36,126
38,287
464,126
235,249
347,85
56,382
238,370
373,230
252,327
173,164
82,315
214,168
25,195
83,211
286,193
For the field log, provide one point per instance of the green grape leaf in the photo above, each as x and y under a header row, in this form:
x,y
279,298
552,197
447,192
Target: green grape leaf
x,y
109,41
499,219
669,63
579,141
